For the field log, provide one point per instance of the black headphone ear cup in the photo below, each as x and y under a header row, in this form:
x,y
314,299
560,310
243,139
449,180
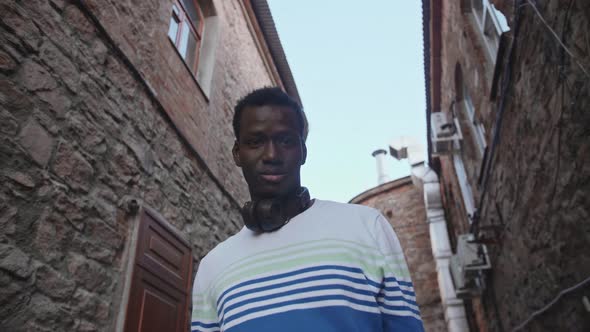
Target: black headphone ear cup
x,y
267,215
249,216
304,198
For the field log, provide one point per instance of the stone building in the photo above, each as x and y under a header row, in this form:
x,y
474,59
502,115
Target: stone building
x,y
115,161
507,108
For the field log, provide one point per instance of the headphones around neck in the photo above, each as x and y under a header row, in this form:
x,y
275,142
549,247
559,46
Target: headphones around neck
x,y
267,215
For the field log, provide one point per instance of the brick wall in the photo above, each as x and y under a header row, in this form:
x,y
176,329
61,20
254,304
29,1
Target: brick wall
x,y
537,197
403,205
81,132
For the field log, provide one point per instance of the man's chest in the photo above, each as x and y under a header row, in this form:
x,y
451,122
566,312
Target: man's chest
x,y
311,277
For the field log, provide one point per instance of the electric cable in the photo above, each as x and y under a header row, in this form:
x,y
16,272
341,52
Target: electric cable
x,y
557,37
550,304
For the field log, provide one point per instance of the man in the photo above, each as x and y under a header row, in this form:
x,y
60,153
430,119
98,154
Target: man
x,y
299,264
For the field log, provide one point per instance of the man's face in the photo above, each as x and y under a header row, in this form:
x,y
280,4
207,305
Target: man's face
x,y
270,150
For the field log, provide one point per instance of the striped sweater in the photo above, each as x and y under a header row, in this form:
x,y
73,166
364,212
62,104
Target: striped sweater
x,y
334,267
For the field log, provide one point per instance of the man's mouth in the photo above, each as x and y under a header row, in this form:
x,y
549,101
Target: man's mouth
x,y
273,178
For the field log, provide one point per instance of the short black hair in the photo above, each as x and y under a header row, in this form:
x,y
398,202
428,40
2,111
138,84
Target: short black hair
x,y
269,96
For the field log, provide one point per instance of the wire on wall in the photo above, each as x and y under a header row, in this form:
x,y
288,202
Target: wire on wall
x,y
550,304
557,38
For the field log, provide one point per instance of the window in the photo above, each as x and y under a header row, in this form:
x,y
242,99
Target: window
x,y
493,29
477,129
491,24
464,185
477,7
194,30
467,114
186,30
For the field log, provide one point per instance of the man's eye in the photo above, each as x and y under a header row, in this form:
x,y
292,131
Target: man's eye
x,y
254,141
287,140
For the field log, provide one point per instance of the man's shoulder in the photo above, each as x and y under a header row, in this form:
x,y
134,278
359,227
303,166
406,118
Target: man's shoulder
x,y
222,252
350,209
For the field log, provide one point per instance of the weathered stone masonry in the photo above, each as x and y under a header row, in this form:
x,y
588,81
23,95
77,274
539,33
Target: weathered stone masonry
x,y
537,198
81,133
540,184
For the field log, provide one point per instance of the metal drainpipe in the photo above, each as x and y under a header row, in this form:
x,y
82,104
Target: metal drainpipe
x,y
426,178
454,309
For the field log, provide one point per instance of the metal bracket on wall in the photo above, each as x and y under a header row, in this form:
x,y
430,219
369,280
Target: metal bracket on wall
x,y
130,205
495,230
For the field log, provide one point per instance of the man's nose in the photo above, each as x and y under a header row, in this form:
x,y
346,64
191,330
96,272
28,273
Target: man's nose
x,y
271,153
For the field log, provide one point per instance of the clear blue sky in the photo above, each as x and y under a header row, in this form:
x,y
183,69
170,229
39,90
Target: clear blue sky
x,y
359,70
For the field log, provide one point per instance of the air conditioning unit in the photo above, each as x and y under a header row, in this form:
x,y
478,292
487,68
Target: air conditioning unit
x,y
467,266
399,154
445,133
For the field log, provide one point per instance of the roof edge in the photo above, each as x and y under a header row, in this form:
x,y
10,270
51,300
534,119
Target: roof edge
x,y
426,53
271,36
369,193
432,26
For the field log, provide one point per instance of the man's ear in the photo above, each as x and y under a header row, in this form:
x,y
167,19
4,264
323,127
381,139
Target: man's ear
x,y
304,153
235,151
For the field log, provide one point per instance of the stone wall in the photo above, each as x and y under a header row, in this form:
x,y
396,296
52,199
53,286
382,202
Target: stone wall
x,y
537,199
82,129
403,205
140,30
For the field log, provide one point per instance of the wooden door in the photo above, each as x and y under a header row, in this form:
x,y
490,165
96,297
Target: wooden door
x,y
161,283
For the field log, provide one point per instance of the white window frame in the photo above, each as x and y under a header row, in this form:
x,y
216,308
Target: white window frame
x,y
207,35
491,24
464,185
477,129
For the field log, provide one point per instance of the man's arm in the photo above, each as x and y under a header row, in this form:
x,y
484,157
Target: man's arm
x,y
397,300
204,314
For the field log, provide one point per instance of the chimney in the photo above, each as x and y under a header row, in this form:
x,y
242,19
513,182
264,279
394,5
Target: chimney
x,y
380,158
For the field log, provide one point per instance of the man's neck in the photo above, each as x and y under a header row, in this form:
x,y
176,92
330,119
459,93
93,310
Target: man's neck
x,y
293,203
